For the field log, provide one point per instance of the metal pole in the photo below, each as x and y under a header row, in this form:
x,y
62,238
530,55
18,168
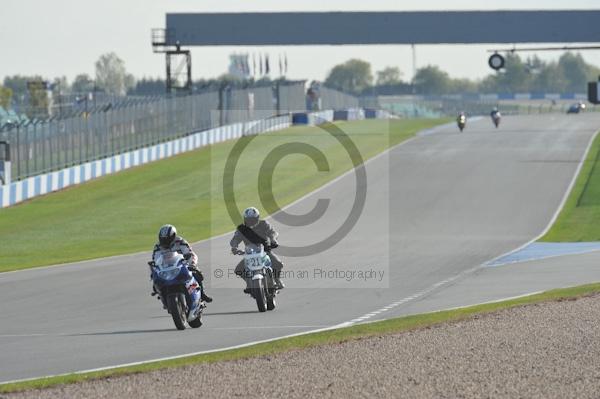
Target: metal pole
x,y
80,143
18,153
35,152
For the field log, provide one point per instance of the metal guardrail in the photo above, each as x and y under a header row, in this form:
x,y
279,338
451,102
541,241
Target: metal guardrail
x,y
40,147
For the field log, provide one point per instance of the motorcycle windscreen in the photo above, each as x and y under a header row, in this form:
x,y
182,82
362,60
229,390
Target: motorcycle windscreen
x,y
168,259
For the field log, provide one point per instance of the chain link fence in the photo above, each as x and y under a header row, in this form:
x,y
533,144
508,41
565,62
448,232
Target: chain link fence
x,y
337,100
42,146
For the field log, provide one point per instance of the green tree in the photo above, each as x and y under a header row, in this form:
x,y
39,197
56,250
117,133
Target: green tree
x,y
575,72
18,85
353,76
5,97
432,80
463,86
389,76
148,87
39,100
111,75
550,79
83,83
516,77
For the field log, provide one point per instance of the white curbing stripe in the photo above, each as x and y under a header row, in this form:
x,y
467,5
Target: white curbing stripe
x,y
43,184
31,187
19,192
54,181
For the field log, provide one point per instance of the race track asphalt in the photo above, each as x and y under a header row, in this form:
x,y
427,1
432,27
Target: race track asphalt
x,y
437,207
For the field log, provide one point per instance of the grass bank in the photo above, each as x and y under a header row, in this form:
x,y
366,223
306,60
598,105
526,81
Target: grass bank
x,y
121,213
578,220
310,340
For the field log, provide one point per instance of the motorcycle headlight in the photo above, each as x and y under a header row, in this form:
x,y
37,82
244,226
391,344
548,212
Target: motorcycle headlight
x,y
168,274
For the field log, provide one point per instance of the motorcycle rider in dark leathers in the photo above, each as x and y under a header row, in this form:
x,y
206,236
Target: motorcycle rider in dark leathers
x,y
169,240
495,113
256,231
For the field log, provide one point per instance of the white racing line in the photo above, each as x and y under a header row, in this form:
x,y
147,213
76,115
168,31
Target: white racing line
x,y
430,289
362,319
245,345
402,301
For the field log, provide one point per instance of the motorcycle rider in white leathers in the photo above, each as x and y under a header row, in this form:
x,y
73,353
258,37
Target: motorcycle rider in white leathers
x,y
169,240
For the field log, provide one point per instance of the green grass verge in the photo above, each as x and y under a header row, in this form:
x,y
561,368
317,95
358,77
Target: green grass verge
x,y
121,213
578,220
329,337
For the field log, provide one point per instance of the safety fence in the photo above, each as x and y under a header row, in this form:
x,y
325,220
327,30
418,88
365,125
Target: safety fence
x,y
48,182
40,147
31,187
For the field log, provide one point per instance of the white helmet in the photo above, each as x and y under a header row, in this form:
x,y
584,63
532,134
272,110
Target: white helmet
x,y
251,216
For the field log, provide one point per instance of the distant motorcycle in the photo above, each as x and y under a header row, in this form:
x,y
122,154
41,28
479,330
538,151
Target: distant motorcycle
x,y
461,121
177,288
576,108
258,270
496,118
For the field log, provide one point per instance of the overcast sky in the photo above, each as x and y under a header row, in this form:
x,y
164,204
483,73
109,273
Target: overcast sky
x,y
65,37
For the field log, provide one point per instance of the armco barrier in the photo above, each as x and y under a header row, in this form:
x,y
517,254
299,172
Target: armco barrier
x,y
316,118
300,118
42,184
351,114
312,118
340,115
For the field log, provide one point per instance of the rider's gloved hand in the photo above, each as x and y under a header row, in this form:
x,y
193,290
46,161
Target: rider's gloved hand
x,y
234,250
273,245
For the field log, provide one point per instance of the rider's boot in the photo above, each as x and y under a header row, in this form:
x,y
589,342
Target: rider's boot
x,y
200,279
277,280
206,298
247,289
203,295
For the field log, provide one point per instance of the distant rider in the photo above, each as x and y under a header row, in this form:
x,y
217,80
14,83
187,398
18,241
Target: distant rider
x,y
168,240
495,113
256,231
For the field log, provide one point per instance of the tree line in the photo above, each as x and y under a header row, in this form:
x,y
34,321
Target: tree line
x,y
111,77
36,95
569,74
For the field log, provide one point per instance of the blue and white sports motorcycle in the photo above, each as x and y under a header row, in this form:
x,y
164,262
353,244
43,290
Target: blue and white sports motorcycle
x,y
177,288
259,273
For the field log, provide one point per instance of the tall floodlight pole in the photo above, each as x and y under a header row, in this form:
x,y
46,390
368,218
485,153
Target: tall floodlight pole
x,y
414,66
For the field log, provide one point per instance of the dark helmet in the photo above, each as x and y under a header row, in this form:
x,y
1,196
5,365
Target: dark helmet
x,y
251,216
166,235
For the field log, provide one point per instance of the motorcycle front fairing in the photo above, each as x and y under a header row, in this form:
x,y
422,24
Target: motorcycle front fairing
x,y
256,261
175,277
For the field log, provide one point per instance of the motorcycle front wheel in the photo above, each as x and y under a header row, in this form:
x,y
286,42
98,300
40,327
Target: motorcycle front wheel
x,y
176,306
259,291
